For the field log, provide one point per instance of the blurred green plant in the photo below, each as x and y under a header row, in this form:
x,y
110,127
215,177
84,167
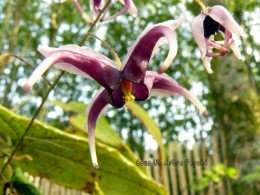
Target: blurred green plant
x,y
104,132
64,158
19,184
251,181
252,177
215,175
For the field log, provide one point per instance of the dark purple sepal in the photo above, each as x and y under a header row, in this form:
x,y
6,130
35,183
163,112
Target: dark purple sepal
x,y
136,65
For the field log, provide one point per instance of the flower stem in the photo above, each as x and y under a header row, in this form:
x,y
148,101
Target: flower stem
x,y
3,56
200,4
46,96
30,124
109,48
94,23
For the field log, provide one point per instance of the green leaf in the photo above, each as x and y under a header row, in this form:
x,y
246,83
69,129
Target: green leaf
x,y
103,132
250,177
231,172
70,106
64,158
150,125
22,185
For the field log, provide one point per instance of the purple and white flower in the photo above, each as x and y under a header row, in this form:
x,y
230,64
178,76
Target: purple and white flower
x,y
119,83
97,5
205,25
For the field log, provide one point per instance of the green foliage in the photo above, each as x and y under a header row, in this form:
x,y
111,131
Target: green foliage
x,y
215,175
150,125
251,181
21,185
231,94
63,158
103,132
251,176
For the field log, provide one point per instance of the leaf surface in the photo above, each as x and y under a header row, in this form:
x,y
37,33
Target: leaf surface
x,y
64,158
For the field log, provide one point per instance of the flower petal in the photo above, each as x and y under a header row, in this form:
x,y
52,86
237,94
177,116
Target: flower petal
x,y
159,43
137,59
198,33
206,62
45,50
84,15
132,9
235,49
166,84
94,110
124,10
75,61
223,16
142,91
96,6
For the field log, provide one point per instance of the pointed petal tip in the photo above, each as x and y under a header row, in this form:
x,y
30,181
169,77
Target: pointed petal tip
x,y
95,165
210,71
205,113
26,88
207,65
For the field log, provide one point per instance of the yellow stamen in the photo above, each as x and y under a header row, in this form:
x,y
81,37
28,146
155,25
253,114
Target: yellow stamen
x,y
201,4
126,87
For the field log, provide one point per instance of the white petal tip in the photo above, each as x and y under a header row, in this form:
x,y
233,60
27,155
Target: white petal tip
x,y
95,165
210,71
205,113
26,88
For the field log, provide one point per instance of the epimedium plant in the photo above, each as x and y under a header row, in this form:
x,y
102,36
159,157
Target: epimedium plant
x,y
130,81
119,84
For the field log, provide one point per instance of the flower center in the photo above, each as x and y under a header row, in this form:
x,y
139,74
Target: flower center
x,y
126,87
211,27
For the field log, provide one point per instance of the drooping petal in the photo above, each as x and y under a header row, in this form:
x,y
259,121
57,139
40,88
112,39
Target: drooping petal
x,y
197,30
132,8
165,84
138,57
96,6
160,92
223,16
207,60
198,33
235,49
124,10
94,110
207,64
45,50
84,15
159,43
76,61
